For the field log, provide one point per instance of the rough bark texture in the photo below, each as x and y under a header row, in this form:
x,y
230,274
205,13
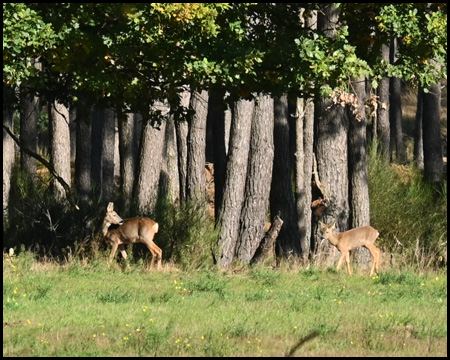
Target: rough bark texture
x,y
97,123
182,129
233,195
358,173
216,115
108,146
331,130
303,152
432,145
29,111
128,155
83,156
395,112
281,194
170,177
382,127
147,188
8,149
418,131
196,145
60,146
259,176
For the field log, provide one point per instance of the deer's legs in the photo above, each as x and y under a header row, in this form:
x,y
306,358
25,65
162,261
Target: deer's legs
x,y
156,254
123,252
113,251
347,259
376,258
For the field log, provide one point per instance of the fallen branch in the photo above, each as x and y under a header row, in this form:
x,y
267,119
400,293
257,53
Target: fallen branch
x,y
69,194
268,242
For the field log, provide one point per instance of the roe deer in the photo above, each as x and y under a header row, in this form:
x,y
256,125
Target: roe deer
x,y
130,231
352,239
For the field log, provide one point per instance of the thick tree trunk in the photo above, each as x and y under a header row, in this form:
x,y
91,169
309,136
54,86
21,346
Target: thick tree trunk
x,y
182,130
196,146
170,179
358,173
382,127
29,112
216,115
97,123
233,195
281,193
8,149
150,162
304,130
259,176
128,155
331,145
395,112
418,131
83,155
60,146
108,146
432,145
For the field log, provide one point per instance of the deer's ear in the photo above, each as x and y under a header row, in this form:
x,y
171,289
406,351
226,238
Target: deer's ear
x,y
110,207
333,225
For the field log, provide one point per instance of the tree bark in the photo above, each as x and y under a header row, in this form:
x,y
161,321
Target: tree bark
x,y
395,112
151,155
182,130
432,145
418,131
8,149
267,246
108,146
281,195
331,146
196,146
29,112
357,163
128,155
83,155
382,128
60,146
233,195
216,114
259,176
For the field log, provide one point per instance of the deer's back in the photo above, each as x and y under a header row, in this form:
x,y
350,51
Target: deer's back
x,y
359,236
135,230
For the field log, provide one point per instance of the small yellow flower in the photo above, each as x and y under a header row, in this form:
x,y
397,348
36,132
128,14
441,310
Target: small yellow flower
x,y
437,278
203,338
28,321
138,330
126,338
175,282
423,284
127,324
381,315
151,320
94,336
351,342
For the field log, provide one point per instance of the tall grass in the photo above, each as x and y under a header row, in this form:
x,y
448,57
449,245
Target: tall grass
x,y
410,214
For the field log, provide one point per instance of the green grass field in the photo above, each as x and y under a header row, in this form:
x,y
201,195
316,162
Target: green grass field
x,y
93,310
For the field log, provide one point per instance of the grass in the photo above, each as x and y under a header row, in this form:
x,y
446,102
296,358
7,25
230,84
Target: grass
x,y
92,310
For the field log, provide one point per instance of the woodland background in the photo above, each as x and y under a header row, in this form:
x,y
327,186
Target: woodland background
x,y
214,119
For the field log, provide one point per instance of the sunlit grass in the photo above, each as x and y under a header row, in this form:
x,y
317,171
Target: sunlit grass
x,y
256,312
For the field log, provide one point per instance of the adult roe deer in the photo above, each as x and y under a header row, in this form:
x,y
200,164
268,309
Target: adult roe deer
x,y
352,239
130,231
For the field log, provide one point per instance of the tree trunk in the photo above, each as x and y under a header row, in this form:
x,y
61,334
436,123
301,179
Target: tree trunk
x,y
432,145
151,155
196,181
60,146
233,195
83,155
8,149
382,128
108,146
128,154
281,195
216,114
418,131
357,163
29,112
395,112
259,176
171,179
182,130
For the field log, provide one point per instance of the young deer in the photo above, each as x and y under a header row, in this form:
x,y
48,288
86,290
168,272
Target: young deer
x,y
352,239
130,231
